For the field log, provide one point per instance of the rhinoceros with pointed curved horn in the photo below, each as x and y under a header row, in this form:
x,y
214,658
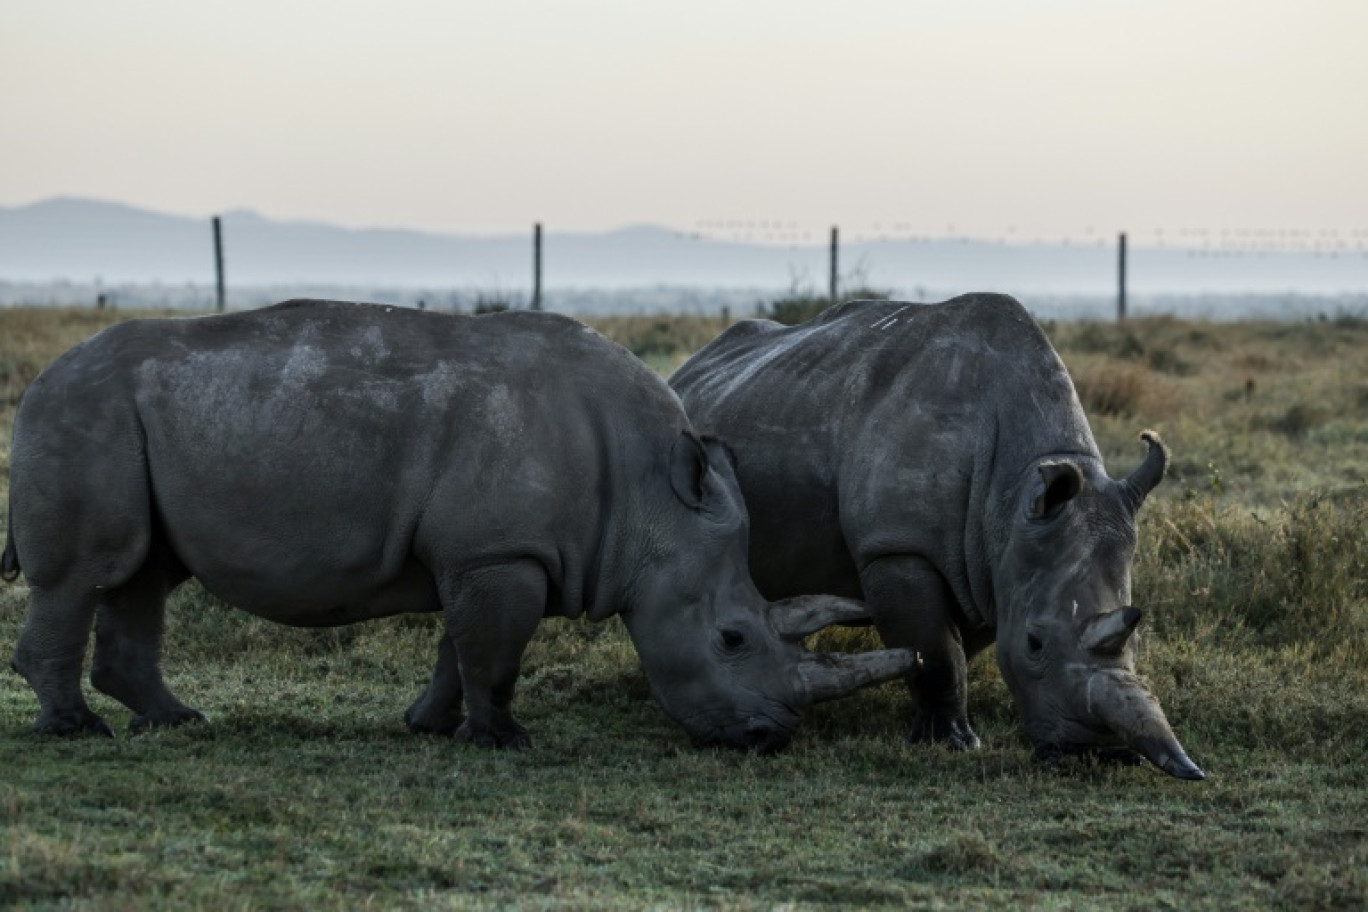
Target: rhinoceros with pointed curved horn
x,y
935,461
321,463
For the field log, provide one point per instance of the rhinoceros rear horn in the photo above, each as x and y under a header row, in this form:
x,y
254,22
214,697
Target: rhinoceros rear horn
x,y
828,675
795,618
1106,634
1136,486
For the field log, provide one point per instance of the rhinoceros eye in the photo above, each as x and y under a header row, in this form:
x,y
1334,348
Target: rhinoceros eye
x,y
1033,644
733,640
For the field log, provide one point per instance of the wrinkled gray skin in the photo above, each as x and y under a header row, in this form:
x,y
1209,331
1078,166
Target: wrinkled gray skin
x,y
319,463
935,460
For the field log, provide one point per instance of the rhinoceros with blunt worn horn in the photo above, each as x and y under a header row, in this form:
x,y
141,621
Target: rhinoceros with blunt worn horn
x,y
935,461
320,463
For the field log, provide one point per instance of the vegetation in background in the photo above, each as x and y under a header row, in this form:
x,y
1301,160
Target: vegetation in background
x,y
306,791
803,302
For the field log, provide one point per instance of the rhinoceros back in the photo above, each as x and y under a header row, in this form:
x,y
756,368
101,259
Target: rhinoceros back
x,y
877,428
306,458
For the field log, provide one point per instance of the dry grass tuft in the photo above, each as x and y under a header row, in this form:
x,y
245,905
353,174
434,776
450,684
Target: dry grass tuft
x,y
1123,389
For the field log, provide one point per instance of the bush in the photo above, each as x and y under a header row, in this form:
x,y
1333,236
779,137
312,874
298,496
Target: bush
x,y
660,337
1122,390
1299,576
800,307
1300,418
794,310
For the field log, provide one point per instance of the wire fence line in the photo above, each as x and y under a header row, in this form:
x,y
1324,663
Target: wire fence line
x,y
735,265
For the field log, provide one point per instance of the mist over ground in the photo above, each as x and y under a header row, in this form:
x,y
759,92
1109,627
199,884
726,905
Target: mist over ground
x,y
73,251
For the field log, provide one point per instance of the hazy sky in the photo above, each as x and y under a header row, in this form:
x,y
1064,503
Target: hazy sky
x,y
1043,117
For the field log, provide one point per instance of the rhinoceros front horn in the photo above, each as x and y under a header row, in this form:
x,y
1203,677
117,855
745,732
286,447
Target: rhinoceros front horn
x,y
1122,703
1136,486
828,675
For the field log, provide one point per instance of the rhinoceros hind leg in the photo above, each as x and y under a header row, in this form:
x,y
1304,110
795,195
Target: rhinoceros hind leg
x,y
438,710
128,642
491,614
49,656
915,608
929,725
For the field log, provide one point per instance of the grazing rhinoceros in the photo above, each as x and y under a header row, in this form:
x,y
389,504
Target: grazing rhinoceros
x,y
935,460
320,463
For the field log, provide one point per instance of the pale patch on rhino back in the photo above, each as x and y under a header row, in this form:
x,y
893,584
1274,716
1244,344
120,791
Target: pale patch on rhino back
x,y
370,349
503,416
439,384
305,365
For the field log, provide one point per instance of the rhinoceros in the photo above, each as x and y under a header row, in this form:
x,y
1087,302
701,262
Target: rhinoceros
x,y
321,463
935,461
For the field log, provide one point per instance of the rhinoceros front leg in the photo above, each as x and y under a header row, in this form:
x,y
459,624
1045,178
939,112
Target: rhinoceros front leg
x,y
915,608
491,614
49,655
438,710
128,643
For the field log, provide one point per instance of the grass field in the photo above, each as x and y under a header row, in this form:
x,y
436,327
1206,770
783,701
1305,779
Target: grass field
x,y
306,790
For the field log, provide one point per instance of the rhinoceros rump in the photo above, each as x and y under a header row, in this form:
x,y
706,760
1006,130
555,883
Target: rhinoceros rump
x,y
320,463
935,460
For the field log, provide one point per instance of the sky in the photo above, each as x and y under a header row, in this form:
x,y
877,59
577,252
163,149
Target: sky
x,y
1009,119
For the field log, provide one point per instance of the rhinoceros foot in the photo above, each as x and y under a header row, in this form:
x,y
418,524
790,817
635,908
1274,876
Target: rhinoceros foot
x,y
424,719
955,732
509,735
72,722
183,715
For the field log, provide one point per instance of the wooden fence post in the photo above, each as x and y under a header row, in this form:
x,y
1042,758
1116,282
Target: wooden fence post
x,y
536,266
835,249
218,261
1121,279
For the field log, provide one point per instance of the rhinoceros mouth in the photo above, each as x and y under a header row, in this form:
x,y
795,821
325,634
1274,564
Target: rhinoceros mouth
x,y
1116,753
759,735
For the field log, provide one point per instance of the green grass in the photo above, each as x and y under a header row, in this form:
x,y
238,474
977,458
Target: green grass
x,y
306,791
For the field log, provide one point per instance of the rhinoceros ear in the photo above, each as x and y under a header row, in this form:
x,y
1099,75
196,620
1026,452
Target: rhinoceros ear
x,y
719,454
702,471
1059,483
689,470
1106,633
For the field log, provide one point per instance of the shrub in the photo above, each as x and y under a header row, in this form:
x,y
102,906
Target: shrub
x,y
794,310
485,304
800,307
1298,420
1299,576
660,337
1122,390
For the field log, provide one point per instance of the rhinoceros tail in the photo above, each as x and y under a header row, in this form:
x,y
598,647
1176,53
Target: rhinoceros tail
x,y
9,561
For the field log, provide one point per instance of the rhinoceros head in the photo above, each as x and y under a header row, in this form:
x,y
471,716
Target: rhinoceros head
x,y
726,664
1066,636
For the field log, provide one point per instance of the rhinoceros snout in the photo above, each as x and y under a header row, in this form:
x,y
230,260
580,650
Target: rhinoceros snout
x,y
757,736
763,737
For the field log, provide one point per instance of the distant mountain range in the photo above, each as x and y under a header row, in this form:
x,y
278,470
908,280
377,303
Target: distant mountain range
x,y
87,241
